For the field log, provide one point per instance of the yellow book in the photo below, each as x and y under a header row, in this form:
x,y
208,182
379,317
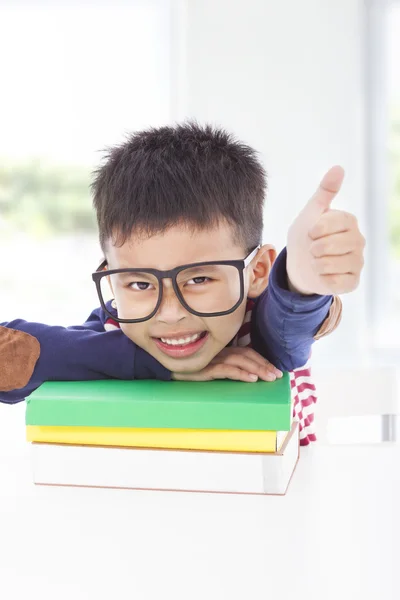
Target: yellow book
x,y
179,439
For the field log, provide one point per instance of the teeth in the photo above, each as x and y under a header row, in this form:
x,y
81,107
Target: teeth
x,y
181,341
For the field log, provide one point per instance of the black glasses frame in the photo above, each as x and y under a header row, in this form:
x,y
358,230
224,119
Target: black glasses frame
x,y
172,274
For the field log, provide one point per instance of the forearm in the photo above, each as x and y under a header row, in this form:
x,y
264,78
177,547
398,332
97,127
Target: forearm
x,y
286,323
32,353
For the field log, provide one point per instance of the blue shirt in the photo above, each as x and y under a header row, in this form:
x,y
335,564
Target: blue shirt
x,y
283,326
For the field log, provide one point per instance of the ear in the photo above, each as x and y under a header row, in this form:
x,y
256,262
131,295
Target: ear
x,y
259,270
108,278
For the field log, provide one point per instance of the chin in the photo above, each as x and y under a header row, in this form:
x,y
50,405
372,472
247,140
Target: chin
x,y
191,364
186,365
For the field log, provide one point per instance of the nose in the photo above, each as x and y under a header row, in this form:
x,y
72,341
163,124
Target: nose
x,y
170,309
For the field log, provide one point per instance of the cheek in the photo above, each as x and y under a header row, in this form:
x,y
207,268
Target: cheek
x,y
223,329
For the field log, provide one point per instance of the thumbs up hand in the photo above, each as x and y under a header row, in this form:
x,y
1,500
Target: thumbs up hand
x,y
325,246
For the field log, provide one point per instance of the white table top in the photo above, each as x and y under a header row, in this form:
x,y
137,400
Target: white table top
x,y
336,534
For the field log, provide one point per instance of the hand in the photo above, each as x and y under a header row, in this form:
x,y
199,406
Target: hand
x,y
242,364
325,246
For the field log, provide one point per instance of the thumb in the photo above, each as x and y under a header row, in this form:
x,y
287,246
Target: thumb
x,y
327,190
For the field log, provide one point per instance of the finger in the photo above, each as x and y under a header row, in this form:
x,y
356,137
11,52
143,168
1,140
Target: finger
x,y
250,366
227,371
327,190
267,372
217,371
341,284
351,263
259,359
256,356
334,221
254,363
198,376
337,244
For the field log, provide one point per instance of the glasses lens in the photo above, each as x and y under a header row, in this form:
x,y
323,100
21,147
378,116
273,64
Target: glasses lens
x,y
136,293
210,288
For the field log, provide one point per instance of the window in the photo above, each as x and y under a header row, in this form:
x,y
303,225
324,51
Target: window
x,y
76,79
383,176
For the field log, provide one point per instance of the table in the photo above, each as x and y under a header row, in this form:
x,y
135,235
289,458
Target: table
x,y
336,534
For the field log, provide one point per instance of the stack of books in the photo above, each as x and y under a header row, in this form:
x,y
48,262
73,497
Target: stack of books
x,y
212,436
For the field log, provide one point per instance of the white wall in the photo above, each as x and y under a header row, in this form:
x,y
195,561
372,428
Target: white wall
x,y
287,78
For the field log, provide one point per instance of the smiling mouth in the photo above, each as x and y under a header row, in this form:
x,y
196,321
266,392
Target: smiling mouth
x,y
181,340
182,350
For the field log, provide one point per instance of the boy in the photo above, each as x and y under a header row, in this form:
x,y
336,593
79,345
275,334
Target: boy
x,y
188,195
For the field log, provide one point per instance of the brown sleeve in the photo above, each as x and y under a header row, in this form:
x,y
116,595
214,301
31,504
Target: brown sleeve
x,y
19,353
332,320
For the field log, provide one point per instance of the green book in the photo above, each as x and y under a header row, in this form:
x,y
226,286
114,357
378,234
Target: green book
x,y
218,404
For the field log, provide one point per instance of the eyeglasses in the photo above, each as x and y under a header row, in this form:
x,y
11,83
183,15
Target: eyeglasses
x,y
205,289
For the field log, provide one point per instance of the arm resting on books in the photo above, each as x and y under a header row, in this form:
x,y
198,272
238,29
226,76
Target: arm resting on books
x,y
32,353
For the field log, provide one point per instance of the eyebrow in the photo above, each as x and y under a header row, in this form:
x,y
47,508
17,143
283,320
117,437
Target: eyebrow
x,y
198,264
131,274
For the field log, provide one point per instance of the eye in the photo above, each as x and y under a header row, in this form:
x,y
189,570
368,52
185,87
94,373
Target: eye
x,y
141,286
198,280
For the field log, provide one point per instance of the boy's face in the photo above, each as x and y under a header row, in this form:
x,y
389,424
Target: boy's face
x,y
178,246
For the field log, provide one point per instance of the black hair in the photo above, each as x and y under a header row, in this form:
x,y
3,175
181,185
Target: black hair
x,y
186,174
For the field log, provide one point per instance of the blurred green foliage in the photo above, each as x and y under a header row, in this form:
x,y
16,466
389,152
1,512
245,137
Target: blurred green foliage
x,y
44,200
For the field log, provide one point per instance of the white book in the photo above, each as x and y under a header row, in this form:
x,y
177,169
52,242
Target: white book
x,y
177,470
